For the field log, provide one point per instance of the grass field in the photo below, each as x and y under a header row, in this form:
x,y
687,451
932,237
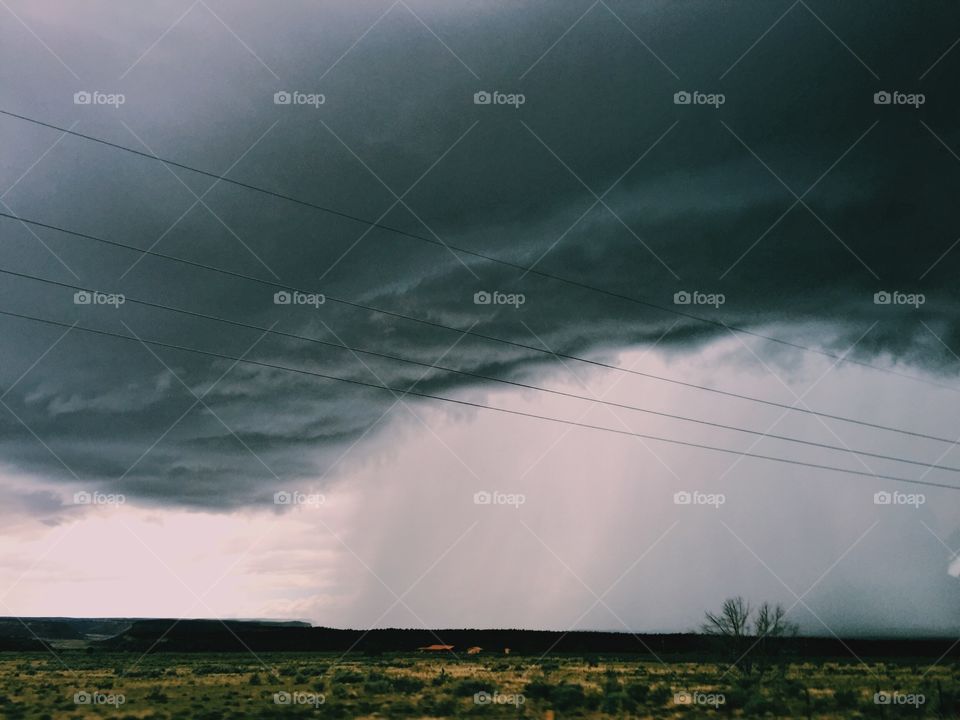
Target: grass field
x,y
224,686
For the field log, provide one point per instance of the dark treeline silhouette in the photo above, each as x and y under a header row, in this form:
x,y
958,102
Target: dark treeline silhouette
x,y
238,636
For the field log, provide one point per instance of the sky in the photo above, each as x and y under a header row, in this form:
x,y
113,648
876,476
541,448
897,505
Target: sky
x,y
783,197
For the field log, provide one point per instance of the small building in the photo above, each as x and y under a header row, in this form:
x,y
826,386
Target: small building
x,y
436,648
474,650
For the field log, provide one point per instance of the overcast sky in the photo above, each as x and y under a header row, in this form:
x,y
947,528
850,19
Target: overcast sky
x,y
786,186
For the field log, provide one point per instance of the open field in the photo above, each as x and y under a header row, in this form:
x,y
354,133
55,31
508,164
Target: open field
x,y
221,686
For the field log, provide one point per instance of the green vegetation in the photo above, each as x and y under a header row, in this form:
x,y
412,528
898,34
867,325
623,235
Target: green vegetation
x,y
162,686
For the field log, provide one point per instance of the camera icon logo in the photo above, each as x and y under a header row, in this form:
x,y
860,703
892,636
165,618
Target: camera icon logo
x,y
82,498
82,698
282,498
682,498
482,298
482,698
681,298
881,698
882,98
282,97
882,498
482,498
682,698
82,98
82,297
282,298
482,98
682,98
282,698
881,298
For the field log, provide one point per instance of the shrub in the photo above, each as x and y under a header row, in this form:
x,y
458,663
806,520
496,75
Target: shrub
x,y
471,686
637,691
793,688
568,696
377,687
157,695
660,694
759,705
208,670
347,677
439,707
616,701
405,684
611,683
846,699
400,707
334,710
537,690
737,697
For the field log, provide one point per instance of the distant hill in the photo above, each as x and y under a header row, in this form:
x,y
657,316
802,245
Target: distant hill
x,y
201,635
212,635
36,633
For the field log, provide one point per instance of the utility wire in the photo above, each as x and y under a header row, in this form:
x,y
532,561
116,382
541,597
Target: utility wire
x,y
473,333
401,392
483,256
480,376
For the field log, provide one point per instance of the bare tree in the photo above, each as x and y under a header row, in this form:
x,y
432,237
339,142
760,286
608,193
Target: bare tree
x,y
732,621
771,622
731,625
747,632
769,626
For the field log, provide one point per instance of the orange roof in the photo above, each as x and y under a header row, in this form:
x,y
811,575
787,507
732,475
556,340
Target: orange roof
x,y
437,647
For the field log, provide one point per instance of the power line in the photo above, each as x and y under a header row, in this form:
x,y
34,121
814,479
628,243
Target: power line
x,y
473,333
400,392
480,376
474,253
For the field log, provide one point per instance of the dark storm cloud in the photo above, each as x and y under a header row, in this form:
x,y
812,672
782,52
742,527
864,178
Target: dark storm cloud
x,y
692,197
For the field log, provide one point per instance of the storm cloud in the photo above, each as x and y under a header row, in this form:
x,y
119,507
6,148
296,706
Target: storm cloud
x,y
797,199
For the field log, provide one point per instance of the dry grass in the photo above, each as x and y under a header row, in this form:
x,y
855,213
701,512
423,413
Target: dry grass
x,y
229,686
